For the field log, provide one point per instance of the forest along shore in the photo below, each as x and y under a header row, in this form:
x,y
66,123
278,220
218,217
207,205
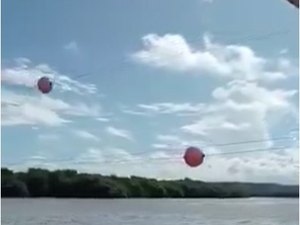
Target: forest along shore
x,y
71,184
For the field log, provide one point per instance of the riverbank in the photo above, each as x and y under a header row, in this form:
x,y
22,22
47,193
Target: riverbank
x,y
71,184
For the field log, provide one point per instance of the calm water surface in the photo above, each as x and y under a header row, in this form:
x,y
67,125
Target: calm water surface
x,y
150,212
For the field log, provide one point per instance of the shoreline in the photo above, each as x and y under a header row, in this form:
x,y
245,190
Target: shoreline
x,y
166,198
42,183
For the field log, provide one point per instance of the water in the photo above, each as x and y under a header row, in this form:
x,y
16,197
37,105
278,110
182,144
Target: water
x,y
150,212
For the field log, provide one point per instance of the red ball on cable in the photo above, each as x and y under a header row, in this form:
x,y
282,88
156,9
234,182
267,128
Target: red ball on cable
x,y
193,156
44,85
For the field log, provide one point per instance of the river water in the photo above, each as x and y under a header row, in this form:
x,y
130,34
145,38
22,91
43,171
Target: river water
x,y
255,211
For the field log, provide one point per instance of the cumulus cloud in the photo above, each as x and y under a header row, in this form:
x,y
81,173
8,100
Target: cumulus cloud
x,y
119,133
237,94
238,111
172,52
241,110
26,74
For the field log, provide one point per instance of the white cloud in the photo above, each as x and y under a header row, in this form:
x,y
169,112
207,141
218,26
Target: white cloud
x,y
239,111
22,62
86,135
26,74
48,137
177,143
108,155
172,52
168,138
169,108
72,47
101,119
248,92
81,109
180,109
243,111
284,51
29,113
160,146
120,155
135,112
38,158
213,122
20,109
159,155
237,95
92,155
119,133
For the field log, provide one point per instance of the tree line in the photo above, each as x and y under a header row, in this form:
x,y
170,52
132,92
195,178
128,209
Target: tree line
x,y
36,182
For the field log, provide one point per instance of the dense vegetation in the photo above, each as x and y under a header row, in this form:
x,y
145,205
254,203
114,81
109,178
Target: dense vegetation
x,y
71,184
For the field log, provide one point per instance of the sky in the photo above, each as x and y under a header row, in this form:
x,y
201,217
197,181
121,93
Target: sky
x,y
159,76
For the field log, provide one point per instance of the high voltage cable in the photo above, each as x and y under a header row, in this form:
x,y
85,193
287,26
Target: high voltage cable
x,y
167,159
247,151
206,155
159,159
231,143
251,141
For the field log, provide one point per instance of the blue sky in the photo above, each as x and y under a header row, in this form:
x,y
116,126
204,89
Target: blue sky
x,y
162,75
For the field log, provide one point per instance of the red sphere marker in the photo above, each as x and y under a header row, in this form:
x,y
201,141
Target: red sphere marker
x,y
44,85
193,156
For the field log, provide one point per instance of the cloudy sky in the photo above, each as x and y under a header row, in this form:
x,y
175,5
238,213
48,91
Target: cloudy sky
x,y
159,76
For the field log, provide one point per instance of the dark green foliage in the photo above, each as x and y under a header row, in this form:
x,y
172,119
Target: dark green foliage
x,y
70,184
37,182
11,186
14,188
